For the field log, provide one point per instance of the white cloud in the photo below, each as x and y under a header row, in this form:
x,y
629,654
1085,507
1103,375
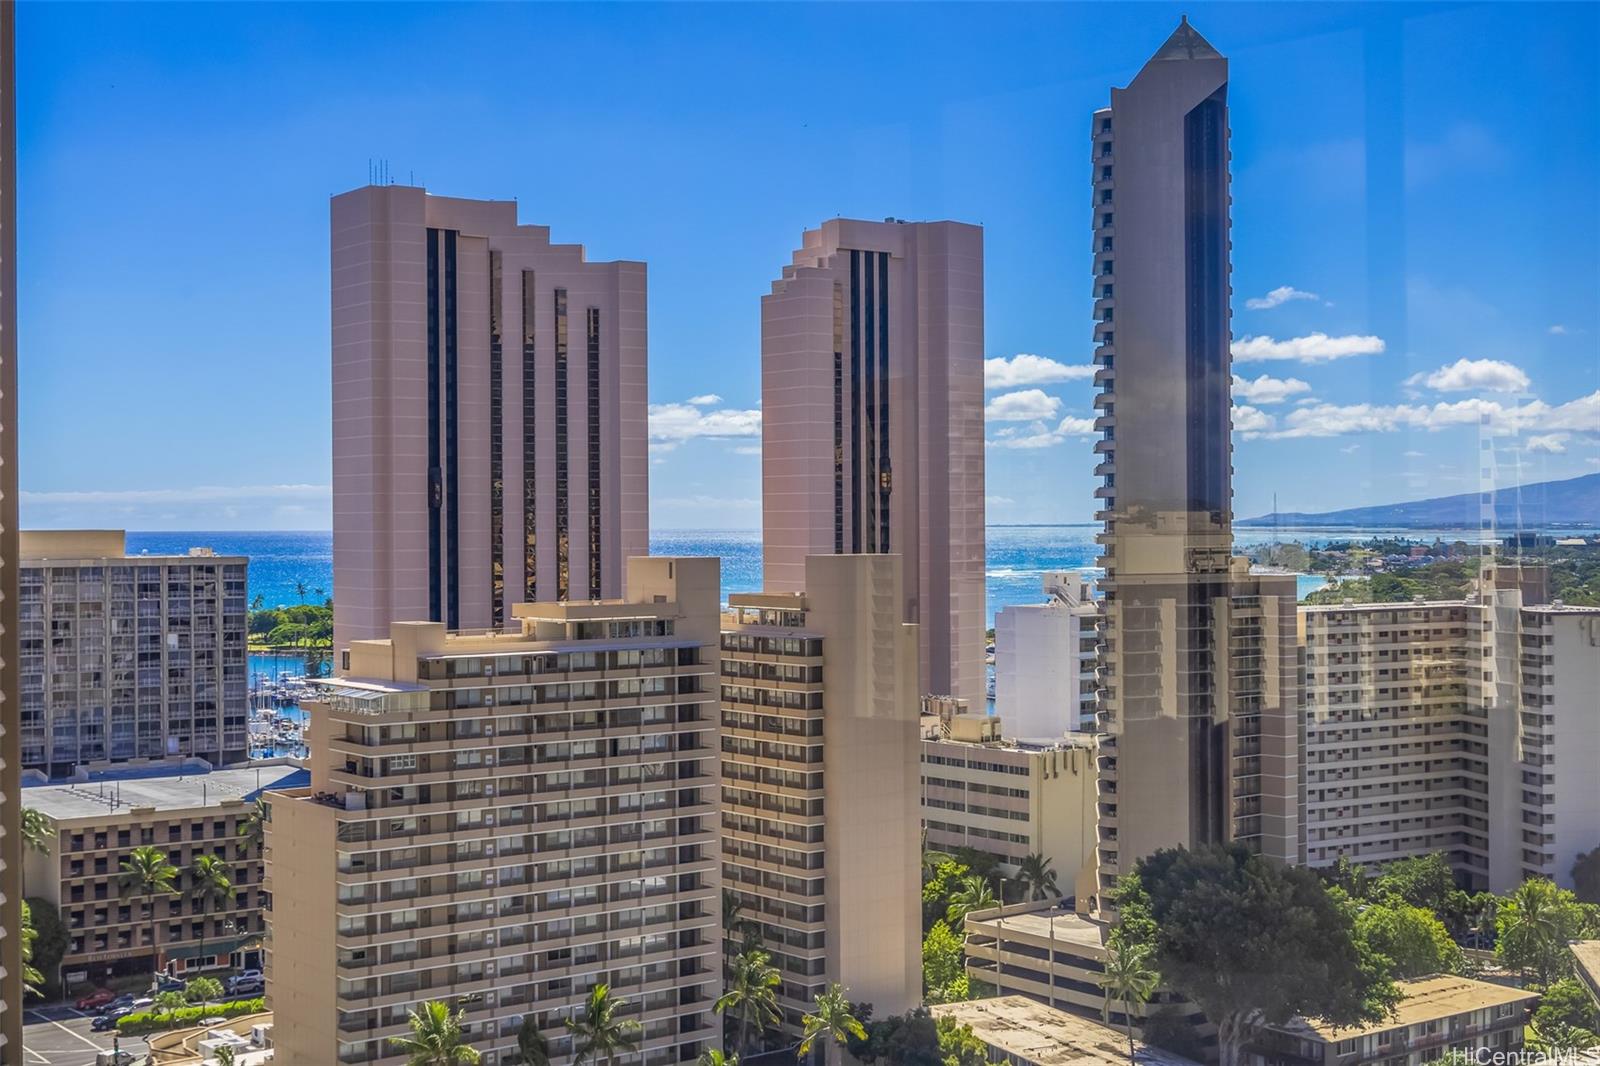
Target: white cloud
x,y
1351,450
705,400
1549,443
1039,435
1267,390
1474,375
1312,348
1278,297
1331,420
1251,422
1026,369
998,501
197,494
1558,330
1028,405
1415,455
747,449
677,422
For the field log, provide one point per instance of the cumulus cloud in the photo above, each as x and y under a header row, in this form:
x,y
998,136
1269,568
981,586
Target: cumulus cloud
x,y
1027,405
996,501
705,400
1549,443
1026,369
673,423
1251,422
1267,390
1558,330
1580,416
1278,297
1312,348
1040,435
1474,375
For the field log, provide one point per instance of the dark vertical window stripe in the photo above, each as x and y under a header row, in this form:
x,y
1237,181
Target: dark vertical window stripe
x,y
593,419
563,544
869,498
855,402
885,473
497,451
838,423
530,496
435,472
1206,292
452,452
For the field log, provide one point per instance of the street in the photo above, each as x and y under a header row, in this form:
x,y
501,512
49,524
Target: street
x,y
60,1036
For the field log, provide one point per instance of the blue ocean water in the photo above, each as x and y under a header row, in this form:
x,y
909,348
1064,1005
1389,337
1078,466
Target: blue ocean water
x,y
1018,556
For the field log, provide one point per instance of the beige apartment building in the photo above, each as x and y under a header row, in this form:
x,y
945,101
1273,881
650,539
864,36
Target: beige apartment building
x,y
1197,660
1465,727
819,761
1435,1015
10,731
130,659
1022,1032
872,424
1011,800
502,821
489,414
95,825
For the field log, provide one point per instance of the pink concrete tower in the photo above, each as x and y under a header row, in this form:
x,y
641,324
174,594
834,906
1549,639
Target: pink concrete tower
x,y
489,414
872,415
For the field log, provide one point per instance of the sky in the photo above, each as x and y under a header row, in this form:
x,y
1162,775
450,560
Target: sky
x,y
1416,226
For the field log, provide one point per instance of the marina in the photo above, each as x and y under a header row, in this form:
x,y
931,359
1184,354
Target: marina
x,y
278,685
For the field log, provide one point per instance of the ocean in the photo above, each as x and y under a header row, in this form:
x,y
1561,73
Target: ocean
x,y
1018,556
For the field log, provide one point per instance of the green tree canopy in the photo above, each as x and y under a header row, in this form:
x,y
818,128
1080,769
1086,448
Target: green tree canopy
x,y
752,996
1533,926
49,942
600,1033
938,884
1568,1002
944,977
974,893
1421,881
1412,938
1251,941
436,1037
1037,878
831,1020
203,990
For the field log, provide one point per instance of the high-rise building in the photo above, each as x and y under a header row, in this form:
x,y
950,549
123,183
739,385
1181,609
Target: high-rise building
x,y
1045,658
130,658
872,424
10,731
503,821
1465,727
1197,662
820,839
489,414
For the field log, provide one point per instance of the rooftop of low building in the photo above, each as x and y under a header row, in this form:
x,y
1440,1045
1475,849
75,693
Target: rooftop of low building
x,y
1045,1036
113,798
1424,999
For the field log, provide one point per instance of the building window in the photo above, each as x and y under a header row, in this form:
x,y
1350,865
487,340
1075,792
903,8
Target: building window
x,y
530,392
593,411
563,562
497,473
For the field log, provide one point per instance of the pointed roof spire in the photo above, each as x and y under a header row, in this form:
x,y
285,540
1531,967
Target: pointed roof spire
x,y
1185,43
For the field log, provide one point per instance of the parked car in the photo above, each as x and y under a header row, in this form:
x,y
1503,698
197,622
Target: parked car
x,y
107,1021
245,982
96,999
167,983
124,1000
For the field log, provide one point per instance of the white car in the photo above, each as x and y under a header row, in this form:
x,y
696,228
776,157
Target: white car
x,y
246,981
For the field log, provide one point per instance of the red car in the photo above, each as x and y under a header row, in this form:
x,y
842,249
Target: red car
x,y
96,999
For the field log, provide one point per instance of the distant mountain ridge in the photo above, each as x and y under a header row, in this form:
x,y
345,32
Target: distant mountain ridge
x,y
1544,504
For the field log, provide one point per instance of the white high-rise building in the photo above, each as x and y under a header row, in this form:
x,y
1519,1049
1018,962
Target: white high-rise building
x,y
1044,661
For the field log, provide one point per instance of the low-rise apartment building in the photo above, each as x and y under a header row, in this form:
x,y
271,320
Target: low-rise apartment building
x,y
1435,1015
1056,956
129,659
503,821
1022,1032
93,826
1011,800
1443,727
819,760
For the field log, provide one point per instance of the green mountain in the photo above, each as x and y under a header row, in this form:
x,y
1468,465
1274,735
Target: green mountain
x,y
1574,502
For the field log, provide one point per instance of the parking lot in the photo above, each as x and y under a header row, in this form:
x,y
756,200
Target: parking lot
x,y
60,1036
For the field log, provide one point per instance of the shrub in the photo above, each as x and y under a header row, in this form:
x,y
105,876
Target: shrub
x,y
149,1021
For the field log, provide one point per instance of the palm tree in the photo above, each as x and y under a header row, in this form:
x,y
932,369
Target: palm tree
x,y
716,1057
532,1048
752,995
32,979
736,923
36,831
973,895
1128,978
1535,922
436,1038
300,590
210,884
598,1032
145,874
1037,877
253,828
833,1017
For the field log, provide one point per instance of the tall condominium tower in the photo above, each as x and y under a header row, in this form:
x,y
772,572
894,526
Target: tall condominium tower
x,y
489,414
503,821
872,416
10,734
820,839
1197,661
130,659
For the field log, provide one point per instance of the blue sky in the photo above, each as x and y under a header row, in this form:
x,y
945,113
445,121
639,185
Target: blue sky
x,y
1417,185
